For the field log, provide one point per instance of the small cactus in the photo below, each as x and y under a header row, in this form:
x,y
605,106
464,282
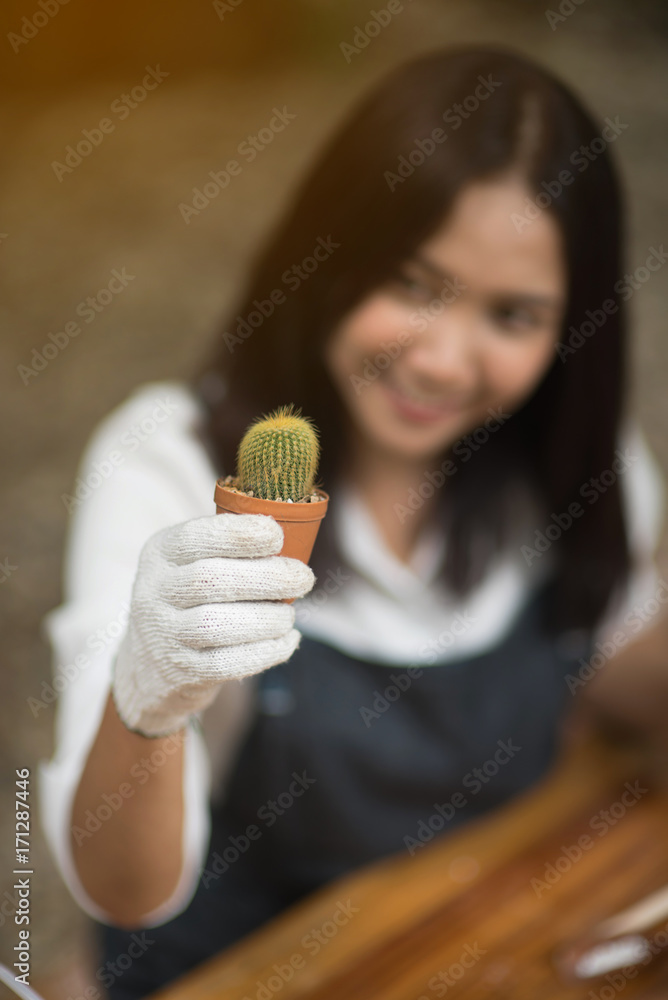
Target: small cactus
x,y
278,456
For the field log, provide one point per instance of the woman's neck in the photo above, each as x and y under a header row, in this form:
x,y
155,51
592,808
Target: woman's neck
x,y
384,483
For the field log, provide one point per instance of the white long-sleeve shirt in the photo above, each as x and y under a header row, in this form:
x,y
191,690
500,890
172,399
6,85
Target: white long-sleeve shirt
x,y
145,468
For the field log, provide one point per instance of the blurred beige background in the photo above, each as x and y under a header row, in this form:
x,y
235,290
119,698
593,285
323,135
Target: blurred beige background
x,y
60,239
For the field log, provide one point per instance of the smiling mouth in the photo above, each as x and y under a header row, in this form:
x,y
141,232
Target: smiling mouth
x,y
419,406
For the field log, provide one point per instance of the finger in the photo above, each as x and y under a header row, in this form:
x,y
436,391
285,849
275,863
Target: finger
x,y
211,581
209,625
235,535
217,664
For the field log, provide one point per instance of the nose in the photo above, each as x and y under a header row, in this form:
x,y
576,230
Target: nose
x,y
443,353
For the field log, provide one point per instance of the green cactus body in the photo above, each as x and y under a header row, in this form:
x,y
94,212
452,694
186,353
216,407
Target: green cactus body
x,y
278,457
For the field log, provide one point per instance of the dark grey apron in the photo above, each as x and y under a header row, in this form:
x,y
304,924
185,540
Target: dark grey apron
x,y
348,761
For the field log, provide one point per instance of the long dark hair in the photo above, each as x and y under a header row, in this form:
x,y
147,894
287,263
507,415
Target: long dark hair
x,y
567,431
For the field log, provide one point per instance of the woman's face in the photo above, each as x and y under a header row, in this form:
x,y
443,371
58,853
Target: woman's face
x,y
466,328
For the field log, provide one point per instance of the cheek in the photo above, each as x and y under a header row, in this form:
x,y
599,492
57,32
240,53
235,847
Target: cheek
x,y
514,368
364,333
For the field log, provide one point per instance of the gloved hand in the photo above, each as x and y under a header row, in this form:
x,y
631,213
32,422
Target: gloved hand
x,y
205,607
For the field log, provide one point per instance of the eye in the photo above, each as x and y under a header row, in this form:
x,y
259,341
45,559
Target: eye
x,y
514,317
411,285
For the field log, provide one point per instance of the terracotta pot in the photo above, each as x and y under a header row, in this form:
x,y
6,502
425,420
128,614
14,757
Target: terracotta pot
x,y
300,521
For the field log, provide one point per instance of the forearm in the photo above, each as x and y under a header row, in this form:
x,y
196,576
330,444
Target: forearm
x,y
631,687
131,862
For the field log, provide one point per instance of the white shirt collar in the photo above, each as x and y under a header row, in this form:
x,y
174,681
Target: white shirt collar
x,y
365,550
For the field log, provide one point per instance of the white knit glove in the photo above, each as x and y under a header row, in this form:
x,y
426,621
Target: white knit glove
x,y
205,607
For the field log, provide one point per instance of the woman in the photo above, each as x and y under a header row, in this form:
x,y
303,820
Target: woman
x,y
443,299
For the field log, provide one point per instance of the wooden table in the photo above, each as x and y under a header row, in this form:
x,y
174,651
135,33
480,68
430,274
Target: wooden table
x,y
462,917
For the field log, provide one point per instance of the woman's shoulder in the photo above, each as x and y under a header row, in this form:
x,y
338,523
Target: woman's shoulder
x,y
149,414
154,436
144,467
